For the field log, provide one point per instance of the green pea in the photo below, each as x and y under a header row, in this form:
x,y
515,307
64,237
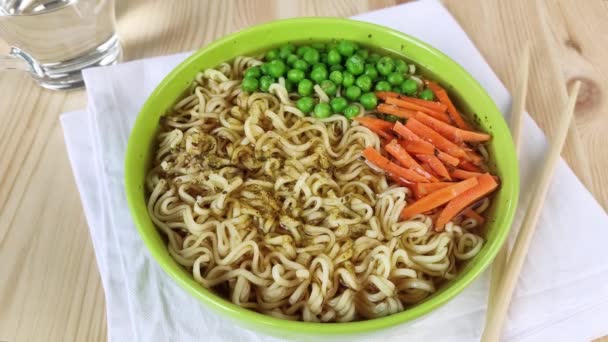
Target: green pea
x,y
253,72
329,87
334,57
383,86
331,45
311,56
364,53
401,66
355,65
305,87
426,94
396,89
302,49
368,101
336,77
409,86
338,104
264,68
338,67
391,118
373,58
250,84
291,59
265,82
286,50
351,111
272,55
347,79
319,66
277,68
322,110
364,82
295,75
318,74
318,46
385,66
300,65
305,104
346,48
371,71
352,93
395,78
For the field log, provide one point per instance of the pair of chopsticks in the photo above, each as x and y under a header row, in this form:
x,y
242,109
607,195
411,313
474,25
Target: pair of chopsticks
x,y
506,268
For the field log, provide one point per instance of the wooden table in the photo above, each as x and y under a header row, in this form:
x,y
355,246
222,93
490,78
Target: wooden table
x,y
50,289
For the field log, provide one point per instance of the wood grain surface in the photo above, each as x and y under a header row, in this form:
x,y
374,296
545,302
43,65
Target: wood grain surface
x,y
50,288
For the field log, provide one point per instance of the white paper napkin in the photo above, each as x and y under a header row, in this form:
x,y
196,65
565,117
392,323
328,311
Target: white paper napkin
x,y
562,294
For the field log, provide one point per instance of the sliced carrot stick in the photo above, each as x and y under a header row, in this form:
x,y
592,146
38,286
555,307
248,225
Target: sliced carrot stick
x,y
377,159
430,170
474,157
368,121
415,107
436,106
417,145
485,185
470,213
383,95
423,189
463,174
443,97
396,111
455,134
428,134
378,126
406,133
446,158
468,166
404,158
437,198
435,164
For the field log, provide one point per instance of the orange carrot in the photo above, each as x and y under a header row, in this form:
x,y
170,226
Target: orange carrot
x,y
423,189
473,157
428,134
404,158
437,198
415,107
470,213
378,126
415,144
485,185
430,170
435,164
443,97
383,95
456,135
406,133
463,174
436,106
377,159
468,166
396,111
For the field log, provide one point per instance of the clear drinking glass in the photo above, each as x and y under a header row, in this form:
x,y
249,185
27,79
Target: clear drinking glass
x,y
55,39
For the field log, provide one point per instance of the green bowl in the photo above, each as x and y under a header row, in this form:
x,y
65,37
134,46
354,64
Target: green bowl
x,y
466,92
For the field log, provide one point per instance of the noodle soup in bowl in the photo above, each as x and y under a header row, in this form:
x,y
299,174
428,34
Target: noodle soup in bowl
x,y
168,232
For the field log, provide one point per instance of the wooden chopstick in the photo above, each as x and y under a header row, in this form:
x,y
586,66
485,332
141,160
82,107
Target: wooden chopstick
x,y
497,316
517,113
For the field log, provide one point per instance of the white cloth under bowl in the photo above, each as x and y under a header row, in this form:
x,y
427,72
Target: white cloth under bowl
x,y
562,294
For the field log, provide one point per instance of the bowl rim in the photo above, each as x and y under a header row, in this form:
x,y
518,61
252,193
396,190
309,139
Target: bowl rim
x,y
244,315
